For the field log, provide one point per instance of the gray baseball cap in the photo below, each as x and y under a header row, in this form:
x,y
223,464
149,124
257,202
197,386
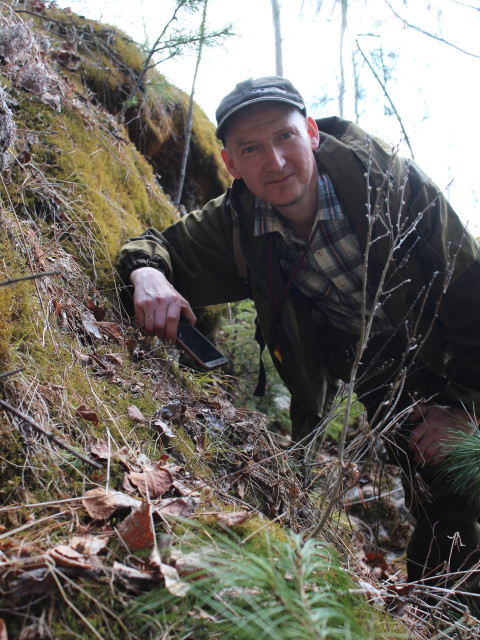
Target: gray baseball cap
x,y
269,88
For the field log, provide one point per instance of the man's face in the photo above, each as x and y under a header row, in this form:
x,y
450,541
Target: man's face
x,y
270,146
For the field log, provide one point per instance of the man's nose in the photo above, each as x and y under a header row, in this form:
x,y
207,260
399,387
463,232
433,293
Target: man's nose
x,y
274,159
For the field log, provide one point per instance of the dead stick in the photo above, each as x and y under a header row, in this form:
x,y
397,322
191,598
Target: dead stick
x,y
5,283
49,435
11,373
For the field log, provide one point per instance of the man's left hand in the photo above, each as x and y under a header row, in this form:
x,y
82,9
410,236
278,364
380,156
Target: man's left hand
x,y
437,426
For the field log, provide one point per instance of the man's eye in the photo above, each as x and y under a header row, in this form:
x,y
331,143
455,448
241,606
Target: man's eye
x,y
250,149
286,135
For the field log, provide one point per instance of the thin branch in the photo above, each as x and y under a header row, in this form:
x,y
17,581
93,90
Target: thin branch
x,y
431,35
7,374
49,435
5,283
188,131
387,95
146,64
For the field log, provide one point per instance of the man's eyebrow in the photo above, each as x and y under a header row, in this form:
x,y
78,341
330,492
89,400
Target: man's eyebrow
x,y
243,143
253,141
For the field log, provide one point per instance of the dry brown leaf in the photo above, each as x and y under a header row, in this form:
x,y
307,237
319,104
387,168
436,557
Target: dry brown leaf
x,y
171,411
114,358
162,427
125,457
99,448
241,488
206,616
98,312
183,490
32,632
87,414
135,414
136,530
233,518
69,59
132,573
112,330
83,358
226,407
188,563
24,157
178,506
88,323
65,556
173,583
152,483
100,504
88,545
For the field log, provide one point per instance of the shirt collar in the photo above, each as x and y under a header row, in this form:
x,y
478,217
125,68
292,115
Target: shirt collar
x,y
267,219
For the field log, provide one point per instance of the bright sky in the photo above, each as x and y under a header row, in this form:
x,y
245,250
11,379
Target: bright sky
x,y
433,86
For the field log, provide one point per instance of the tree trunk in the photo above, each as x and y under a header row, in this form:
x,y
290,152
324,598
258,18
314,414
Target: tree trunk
x,y
188,130
278,38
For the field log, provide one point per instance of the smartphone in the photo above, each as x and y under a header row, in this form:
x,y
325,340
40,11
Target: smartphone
x,y
201,349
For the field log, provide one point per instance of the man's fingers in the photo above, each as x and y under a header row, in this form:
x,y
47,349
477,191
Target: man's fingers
x,y
158,305
418,433
418,413
437,426
188,314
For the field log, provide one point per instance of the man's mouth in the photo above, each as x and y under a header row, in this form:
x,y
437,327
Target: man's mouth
x,y
279,181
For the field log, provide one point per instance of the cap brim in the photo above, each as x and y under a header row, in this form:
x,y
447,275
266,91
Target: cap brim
x,y
229,114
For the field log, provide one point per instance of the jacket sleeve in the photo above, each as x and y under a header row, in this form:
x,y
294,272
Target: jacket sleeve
x,y
195,253
448,252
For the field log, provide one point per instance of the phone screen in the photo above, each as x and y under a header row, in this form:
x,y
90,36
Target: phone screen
x,y
201,349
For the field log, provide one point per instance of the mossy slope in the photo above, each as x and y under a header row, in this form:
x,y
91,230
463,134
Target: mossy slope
x,y
74,189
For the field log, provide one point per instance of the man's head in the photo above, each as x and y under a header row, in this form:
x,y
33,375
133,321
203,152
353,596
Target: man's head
x,y
253,91
269,143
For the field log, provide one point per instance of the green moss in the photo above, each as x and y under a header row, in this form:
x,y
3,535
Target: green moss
x,y
14,299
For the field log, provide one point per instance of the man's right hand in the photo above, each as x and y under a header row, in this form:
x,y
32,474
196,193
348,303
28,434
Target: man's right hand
x,y
158,306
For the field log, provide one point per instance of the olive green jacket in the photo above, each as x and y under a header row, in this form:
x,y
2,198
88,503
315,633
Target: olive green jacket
x,y
416,246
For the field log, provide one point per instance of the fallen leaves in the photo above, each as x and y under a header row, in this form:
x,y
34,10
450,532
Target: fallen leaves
x,y
136,531
151,483
64,556
232,519
88,545
87,414
172,581
135,414
99,448
180,507
101,504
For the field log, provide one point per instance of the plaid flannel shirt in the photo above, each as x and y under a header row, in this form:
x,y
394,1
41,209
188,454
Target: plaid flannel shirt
x,y
332,272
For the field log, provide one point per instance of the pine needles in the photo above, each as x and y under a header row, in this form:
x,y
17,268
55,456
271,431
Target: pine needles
x,y
461,464
287,590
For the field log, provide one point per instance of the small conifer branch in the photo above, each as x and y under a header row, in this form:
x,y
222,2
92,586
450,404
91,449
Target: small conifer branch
x,y
49,435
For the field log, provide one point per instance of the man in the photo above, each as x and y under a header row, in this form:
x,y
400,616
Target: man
x,y
337,234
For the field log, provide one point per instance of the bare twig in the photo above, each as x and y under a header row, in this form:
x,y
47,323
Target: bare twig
x,y
34,276
49,435
387,95
7,374
431,35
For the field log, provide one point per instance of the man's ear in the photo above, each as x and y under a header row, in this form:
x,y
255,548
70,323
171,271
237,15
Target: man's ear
x,y
313,133
230,165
